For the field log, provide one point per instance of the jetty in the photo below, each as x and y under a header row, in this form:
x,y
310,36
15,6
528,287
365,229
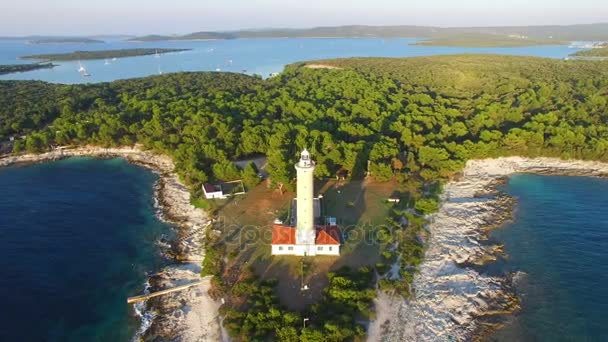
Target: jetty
x,y
140,298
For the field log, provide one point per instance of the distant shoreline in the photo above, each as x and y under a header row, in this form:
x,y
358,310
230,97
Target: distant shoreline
x,y
558,33
65,41
173,199
488,41
172,40
102,54
581,32
453,300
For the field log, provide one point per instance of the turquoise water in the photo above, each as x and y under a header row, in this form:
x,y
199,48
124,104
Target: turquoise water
x,y
261,56
559,238
76,239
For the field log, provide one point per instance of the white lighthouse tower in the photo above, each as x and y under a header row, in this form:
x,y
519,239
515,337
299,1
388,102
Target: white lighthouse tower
x,y
303,237
305,221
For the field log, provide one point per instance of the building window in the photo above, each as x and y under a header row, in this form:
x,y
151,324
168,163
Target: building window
x,y
320,248
280,248
330,248
290,248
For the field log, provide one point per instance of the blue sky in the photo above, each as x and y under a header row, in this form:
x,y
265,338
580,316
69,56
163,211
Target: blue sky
x,y
80,17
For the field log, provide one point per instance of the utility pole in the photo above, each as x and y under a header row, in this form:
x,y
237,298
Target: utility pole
x,y
302,286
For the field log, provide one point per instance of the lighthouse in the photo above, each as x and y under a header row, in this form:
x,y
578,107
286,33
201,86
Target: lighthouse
x,y
305,221
303,236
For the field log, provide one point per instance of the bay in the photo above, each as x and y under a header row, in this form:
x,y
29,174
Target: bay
x,y
252,56
77,237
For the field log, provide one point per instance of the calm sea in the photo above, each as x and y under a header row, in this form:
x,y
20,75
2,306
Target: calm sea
x,y
559,239
261,56
76,239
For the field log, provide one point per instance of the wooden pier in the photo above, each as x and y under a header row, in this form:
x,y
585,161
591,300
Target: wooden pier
x,y
136,299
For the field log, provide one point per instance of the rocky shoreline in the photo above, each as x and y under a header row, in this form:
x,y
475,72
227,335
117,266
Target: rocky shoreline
x,y
454,299
189,315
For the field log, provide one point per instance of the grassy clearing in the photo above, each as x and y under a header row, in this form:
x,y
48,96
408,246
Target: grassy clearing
x,y
246,222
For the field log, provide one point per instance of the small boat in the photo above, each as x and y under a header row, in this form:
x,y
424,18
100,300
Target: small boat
x,y
113,59
107,62
81,69
160,72
156,55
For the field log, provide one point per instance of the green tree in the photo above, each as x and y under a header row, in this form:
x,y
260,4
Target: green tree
x,y
225,170
426,205
250,176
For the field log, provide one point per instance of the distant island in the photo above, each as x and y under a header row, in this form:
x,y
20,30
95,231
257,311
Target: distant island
x,y
43,39
191,36
102,54
13,68
487,40
67,40
506,36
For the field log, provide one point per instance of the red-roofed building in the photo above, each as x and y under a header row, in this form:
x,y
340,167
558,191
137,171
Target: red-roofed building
x,y
328,235
283,235
284,242
305,238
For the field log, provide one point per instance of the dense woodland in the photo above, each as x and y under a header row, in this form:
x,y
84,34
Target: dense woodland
x,y
416,119
423,115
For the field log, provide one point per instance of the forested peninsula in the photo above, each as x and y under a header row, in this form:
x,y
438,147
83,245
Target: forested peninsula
x,y
12,68
415,121
65,40
487,40
593,53
101,54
